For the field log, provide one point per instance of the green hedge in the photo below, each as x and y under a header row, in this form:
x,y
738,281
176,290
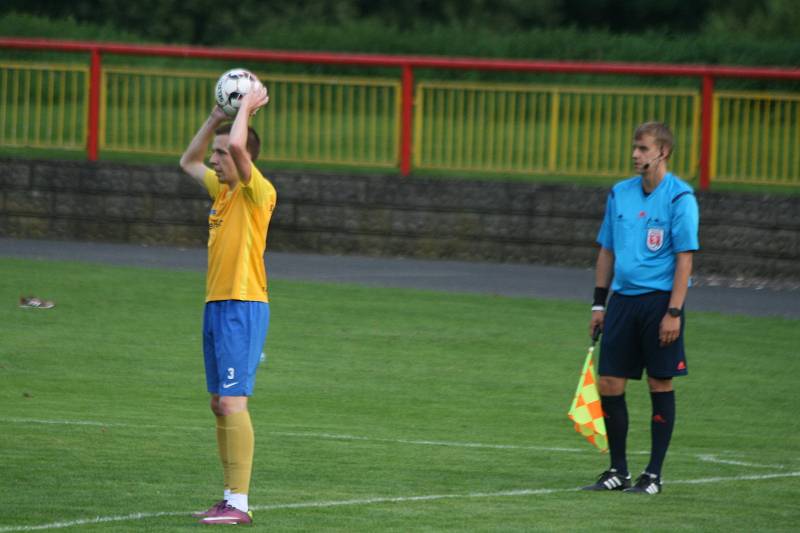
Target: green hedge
x,y
372,36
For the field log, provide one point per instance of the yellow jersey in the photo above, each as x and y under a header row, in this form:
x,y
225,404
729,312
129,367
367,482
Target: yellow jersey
x,y
237,237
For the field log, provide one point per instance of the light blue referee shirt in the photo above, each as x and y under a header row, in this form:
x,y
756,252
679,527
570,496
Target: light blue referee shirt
x,y
645,231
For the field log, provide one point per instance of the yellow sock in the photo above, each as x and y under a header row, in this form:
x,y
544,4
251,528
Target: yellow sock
x,y
222,445
237,461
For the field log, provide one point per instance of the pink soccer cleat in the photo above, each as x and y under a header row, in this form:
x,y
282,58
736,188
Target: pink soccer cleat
x,y
227,515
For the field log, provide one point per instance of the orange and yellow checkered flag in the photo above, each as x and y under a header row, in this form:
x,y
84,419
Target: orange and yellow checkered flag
x,y
586,411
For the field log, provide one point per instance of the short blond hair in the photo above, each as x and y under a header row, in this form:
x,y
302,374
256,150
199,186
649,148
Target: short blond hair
x,y
660,133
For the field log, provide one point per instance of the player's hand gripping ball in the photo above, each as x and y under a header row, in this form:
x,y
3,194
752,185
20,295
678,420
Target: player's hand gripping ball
x,y
231,87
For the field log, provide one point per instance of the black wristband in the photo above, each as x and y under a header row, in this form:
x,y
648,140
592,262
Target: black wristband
x,y
600,295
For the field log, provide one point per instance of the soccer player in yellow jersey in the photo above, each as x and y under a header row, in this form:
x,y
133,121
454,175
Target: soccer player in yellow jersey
x,y
236,315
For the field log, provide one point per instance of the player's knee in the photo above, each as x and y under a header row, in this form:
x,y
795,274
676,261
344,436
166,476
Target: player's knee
x,y
611,386
659,384
229,405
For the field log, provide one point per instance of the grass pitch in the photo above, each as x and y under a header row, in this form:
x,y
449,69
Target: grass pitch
x,y
377,410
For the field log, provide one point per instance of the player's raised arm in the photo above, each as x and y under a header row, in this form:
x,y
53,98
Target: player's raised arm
x,y
192,159
237,143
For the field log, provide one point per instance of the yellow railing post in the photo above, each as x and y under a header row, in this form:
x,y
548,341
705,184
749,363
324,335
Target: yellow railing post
x,y
552,152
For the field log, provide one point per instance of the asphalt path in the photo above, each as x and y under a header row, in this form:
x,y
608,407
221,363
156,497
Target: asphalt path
x,y
733,296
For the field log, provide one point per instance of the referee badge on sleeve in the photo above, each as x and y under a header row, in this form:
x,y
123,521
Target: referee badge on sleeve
x,y
655,239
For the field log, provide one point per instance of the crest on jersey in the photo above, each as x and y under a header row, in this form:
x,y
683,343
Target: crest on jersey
x,y
655,239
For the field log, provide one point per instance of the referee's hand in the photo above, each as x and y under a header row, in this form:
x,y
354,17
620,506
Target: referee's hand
x,y
669,330
596,323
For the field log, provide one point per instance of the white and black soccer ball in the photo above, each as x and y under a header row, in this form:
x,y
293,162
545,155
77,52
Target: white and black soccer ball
x,y
230,88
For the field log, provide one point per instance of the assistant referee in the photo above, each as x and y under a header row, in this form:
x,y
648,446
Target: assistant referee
x,y
647,240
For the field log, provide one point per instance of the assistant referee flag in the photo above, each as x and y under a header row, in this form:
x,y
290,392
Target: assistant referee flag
x,y
586,411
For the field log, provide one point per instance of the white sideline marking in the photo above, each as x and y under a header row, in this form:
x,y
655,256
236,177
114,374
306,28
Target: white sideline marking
x,y
95,423
708,458
372,501
332,436
336,436
732,478
87,521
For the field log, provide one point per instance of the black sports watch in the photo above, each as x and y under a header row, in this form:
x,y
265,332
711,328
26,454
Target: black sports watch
x,y
674,311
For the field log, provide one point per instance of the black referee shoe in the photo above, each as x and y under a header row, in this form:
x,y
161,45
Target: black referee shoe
x,y
647,483
611,480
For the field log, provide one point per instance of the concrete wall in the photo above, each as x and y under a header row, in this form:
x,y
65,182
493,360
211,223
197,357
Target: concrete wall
x,y
741,234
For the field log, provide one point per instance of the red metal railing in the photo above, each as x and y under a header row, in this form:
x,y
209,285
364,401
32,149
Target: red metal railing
x,y
94,105
707,75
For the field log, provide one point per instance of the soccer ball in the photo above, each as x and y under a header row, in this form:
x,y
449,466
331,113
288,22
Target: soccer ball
x,y
230,88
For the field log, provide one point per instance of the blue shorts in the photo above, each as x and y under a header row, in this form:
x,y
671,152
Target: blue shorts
x,y
233,338
630,339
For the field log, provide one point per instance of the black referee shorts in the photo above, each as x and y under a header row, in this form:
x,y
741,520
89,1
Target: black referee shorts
x,y
630,339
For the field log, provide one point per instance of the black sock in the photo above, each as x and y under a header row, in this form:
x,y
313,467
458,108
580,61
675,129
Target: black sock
x,y
616,418
661,428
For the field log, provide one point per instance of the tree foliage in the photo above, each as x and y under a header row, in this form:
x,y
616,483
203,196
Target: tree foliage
x,y
766,19
207,22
